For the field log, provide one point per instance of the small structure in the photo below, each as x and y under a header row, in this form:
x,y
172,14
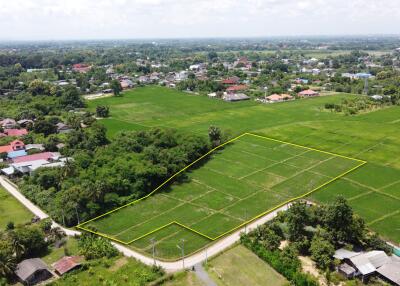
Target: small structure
x,y
32,271
63,128
66,264
231,80
347,270
308,93
15,145
81,68
235,97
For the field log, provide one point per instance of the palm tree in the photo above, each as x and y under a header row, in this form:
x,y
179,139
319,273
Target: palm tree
x,y
17,246
7,264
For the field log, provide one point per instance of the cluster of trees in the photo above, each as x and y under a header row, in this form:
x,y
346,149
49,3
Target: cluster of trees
x,y
104,175
25,241
360,104
315,231
94,247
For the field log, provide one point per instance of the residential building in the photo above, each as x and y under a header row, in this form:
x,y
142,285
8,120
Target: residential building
x,y
66,264
32,271
308,93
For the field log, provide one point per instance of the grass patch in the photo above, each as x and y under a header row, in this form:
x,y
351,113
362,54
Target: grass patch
x,y
12,210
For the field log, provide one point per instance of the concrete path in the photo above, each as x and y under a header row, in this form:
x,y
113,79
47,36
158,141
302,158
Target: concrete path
x,y
202,274
190,261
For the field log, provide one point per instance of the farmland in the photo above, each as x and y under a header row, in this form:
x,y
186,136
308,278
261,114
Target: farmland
x,y
372,137
240,181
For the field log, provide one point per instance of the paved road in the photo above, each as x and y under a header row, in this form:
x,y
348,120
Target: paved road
x,y
190,261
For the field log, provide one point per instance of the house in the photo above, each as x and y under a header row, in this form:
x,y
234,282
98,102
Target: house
x,y
32,271
390,272
15,145
14,132
66,264
182,75
278,97
48,156
25,122
16,154
63,128
308,93
235,97
8,123
81,68
236,88
366,264
39,147
126,83
231,80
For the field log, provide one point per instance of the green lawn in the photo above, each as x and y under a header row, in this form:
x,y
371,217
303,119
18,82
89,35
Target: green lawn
x,y
55,254
239,266
12,210
238,182
372,137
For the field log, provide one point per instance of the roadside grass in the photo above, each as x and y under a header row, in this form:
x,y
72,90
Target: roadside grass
x,y
239,266
12,210
214,201
54,254
187,278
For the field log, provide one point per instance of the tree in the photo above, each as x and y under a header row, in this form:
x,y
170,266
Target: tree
x,y
116,87
7,260
71,99
38,87
31,238
297,218
215,135
102,111
271,240
45,127
94,247
338,220
322,252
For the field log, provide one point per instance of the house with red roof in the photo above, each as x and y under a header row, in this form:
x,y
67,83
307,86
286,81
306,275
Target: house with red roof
x,y
14,132
231,80
237,88
278,97
15,145
66,264
48,156
308,93
81,68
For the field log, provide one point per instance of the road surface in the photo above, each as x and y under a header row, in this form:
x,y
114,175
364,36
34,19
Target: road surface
x,y
189,262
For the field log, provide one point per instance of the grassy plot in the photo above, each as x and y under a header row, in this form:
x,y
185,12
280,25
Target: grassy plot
x,y
239,266
12,210
242,180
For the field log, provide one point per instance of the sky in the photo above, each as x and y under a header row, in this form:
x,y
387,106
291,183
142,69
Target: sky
x,y
138,19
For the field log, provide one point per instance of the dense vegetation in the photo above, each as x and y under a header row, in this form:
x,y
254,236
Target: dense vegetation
x,y
316,231
102,176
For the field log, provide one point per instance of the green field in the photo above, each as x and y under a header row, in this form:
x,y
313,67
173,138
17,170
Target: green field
x,y
237,183
373,190
239,266
12,210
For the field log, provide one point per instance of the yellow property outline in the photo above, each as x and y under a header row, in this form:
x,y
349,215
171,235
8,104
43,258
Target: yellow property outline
x,y
362,162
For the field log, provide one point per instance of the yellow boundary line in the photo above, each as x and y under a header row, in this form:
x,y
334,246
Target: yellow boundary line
x,y
80,226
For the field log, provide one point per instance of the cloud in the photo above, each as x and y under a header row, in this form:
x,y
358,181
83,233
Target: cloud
x,y
79,19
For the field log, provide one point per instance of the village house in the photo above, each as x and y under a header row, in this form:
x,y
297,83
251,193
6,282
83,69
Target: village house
x,y
236,88
235,97
63,128
32,271
66,264
13,132
8,123
308,93
81,68
231,81
278,98
367,264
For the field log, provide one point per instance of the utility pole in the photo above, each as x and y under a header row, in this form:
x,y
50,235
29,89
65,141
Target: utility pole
x,y
153,247
206,257
245,221
182,248
77,215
